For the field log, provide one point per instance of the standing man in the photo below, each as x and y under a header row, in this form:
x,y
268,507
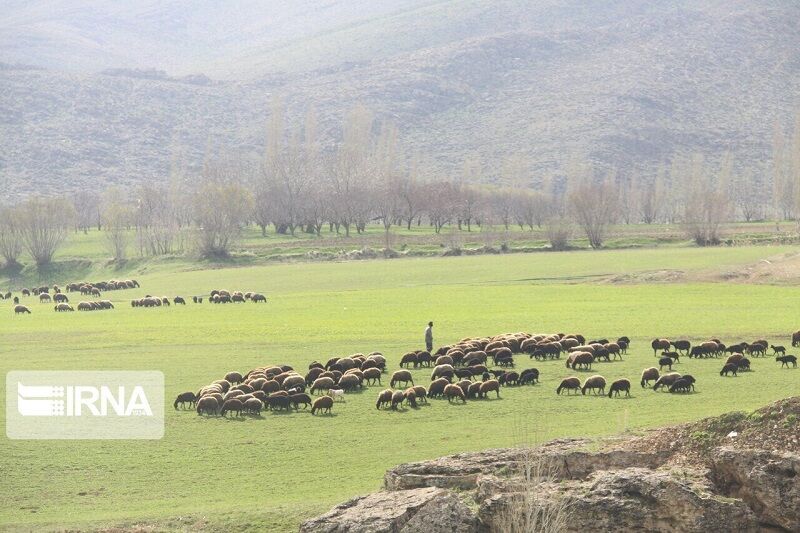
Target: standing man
x,y
429,337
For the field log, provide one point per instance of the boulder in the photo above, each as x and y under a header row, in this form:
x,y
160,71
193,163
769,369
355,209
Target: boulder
x,y
768,481
428,509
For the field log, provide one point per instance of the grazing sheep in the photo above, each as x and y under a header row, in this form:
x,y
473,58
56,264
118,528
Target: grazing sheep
x,y
208,405
408,359
786,360
675,356
730,368
665,361
323,403
44,298
681,385
620,385
257,297
743,364
659,344
21,309
778,350
184,398
336,394
410,396
397,399
436,388
529,375
233,404
278,401
795,336
648,375
305,399
595,383
452,392
233,377
322,384
424,359
371,375
384,398
682,345
253,406
420,393
489,386
581,359
293,381
63,307
401,376
666,380
570,383
474,390
178,300
349,382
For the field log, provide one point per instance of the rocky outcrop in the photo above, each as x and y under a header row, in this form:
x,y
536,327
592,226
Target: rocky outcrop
x,y
695,478
426,509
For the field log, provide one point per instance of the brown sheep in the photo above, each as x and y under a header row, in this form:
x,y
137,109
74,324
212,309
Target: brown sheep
x,y
488,386
323,403
410,395
595,383
438,371
659,344
581,359
452,392
648,375
21,309
666,380
408,359
253,406
63,307
464,384
184,398
570,383
443,360
796,338
436,388
474,390
384,398
729,368
293,381
207,405
734,359
397,399
620,385
401,376
300,398
44,298
349,382
322,384
61,298
665,361
371,375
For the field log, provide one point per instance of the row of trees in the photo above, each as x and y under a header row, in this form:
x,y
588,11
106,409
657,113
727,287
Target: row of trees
x,y
297,186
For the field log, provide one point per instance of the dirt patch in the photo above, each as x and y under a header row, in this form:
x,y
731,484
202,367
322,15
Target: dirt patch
x,y
782,269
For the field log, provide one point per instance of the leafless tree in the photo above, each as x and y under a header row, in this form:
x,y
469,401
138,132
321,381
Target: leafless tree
x,y
43,226
705,206
116,216
220,214
157,228
650,197
594,206
10,236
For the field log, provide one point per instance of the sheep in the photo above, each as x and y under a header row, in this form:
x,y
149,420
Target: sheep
x,y
682,345
436,388
278,401
384,398
778,350
665,361
786,360
397,399
659,344
63,307
570,383
349,382
620,385
488,386
452,392
464,384
184,398
60,298
474,389
795,337
681,385
529,376
293,381
648,375
257,297
666,380
21,309
410,396
322,384
421,393
743,364
178,300
234,377
323,403
305,399
233,404
675,356
729,368
401,376
207,405
580,359
336,394
595,383
371,375
408,359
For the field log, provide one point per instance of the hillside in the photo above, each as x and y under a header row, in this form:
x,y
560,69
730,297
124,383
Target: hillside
x,y
625,84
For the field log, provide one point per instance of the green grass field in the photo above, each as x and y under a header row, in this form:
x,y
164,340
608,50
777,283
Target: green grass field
x,y
270,473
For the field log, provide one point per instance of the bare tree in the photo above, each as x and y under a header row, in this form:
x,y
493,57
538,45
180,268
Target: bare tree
x,y
705,206
594,206
86,204
10,236
43,226
116,216
650,197
157,228
220,213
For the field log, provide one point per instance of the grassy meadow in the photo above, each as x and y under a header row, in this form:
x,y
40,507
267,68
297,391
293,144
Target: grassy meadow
x,y
270,473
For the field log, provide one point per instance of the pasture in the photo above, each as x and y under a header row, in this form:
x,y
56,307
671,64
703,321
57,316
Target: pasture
x,y
270,473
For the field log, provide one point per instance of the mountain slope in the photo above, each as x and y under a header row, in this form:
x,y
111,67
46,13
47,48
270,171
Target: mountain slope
x,y
626,84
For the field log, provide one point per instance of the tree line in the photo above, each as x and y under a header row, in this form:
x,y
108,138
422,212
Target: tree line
x,y
301,184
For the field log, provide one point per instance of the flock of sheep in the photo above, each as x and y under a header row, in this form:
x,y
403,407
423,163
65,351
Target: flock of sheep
x,y
95,289
472,369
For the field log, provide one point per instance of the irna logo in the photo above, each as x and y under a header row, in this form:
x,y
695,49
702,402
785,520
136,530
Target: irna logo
x,y
84,405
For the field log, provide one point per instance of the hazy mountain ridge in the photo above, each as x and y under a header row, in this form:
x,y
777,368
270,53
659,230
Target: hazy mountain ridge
x,y
628,90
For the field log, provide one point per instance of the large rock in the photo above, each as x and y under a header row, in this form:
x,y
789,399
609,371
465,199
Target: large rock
x,y
768,481
632,499
427,509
